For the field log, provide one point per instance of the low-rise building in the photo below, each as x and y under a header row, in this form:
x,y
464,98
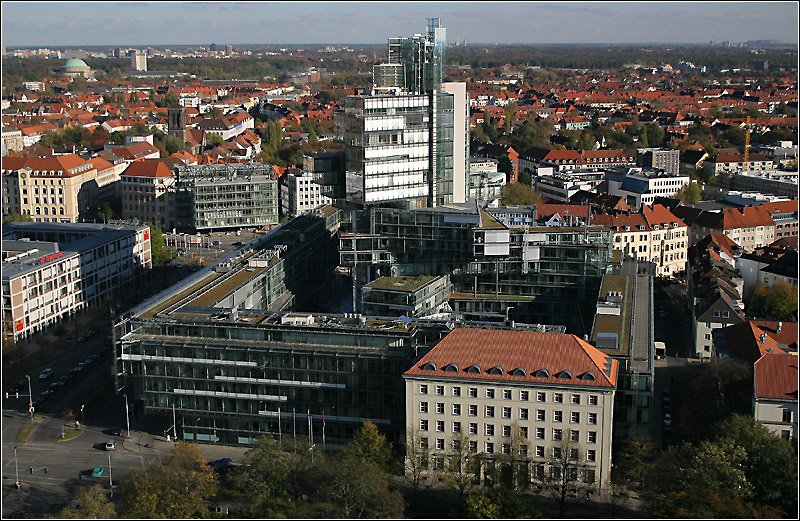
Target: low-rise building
x,y
300,193
417,296
750,227
147,190
775,393
522,395
52,270
641,186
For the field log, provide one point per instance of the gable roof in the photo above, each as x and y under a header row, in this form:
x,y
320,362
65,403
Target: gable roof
x,y
775,376
788,332
509,350
148,169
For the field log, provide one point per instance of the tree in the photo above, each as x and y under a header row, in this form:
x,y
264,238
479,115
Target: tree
x,y
501,502
562,479
170,99
213,140
158,249
769,461
90,503
519,194
776,302
371,446
635,455
417,461
265,479
17,217
690,193
460,467
179,488
353,487
215,112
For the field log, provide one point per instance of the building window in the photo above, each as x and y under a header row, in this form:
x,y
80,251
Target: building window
x,y
592,399
523,414
588,476
489,411
439,443
473,409
787,416
456,391
423,425
489,431
423,388
575,417
592,418
505,448
439,426
523,396
558,398
592,437
541,397
506,412
523,432
523,449
558,416
540,415
557,434
576,399
507,430
489,447
506,394
785,434
591,455
574,435
539,433
440,390
573,454
456,426
473,446
540,451
556,452
439,408
423,407
473,392
473,428
456,409
490,393
423,443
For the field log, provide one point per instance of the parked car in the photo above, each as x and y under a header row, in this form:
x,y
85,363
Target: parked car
x,y
111,445
667,421
221,463
91,359
666,397
97,472
47,373
113,431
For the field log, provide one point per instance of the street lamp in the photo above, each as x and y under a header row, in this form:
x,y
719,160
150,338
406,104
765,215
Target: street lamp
x,y
127,416
16,468
83,416
110,483
30,397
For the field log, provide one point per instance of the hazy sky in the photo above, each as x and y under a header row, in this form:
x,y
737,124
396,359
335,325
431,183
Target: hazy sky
x,y
136,23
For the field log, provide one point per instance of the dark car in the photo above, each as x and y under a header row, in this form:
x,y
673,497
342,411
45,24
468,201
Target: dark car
x,y
113,431
222,463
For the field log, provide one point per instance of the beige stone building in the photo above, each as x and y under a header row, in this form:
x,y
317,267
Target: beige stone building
x,y
148,193
513,395
49,189
655,235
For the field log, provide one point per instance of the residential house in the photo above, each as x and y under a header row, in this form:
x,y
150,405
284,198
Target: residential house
x,y
775,393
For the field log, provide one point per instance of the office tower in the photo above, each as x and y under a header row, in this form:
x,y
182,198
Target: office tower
x,y
139,61
406,138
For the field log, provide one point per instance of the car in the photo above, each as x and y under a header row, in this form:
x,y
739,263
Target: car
x,y
80,367
82,338
47,373
111,445
92,359
97,472
666,397
667,420
113,431
54,386
221,463
661,314
44,395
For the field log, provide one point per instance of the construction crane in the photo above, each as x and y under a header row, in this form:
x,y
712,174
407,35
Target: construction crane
x,y
747,146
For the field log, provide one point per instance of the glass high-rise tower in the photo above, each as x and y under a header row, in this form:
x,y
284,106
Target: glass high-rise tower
x,y
406,140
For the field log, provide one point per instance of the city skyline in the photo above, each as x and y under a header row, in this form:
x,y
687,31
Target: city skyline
x,y
27,24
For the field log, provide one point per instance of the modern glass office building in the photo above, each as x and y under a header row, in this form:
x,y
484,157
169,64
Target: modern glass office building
x,y
225,196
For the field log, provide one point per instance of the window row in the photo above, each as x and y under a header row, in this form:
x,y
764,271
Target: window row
x,y
489,411
489,430
507,394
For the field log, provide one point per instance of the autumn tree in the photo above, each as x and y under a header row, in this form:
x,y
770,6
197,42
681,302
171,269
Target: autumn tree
x,y
690,193
417,461
519,194
371,446
265,478
564,477
90,503
776,302
178,488
459,466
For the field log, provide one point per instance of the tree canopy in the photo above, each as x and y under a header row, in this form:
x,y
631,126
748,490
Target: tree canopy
x,y
776,302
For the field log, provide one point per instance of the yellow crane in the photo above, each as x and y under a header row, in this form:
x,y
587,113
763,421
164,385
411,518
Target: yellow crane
x,y
747,146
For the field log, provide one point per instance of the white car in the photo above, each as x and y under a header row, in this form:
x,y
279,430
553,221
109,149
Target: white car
x,y
47,373
111,445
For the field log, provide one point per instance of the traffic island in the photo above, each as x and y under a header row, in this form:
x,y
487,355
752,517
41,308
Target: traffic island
x,y
25,433
69,433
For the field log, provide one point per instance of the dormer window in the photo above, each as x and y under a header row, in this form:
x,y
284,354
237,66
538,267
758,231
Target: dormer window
x,y
428,366
564,375
587,376
517,371
450,368
495,370
542,373
473,369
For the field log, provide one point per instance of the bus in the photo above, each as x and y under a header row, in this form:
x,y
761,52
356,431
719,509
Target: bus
x,y
661,350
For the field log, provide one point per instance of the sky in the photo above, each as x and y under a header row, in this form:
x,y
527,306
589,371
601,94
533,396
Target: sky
x,y
180,23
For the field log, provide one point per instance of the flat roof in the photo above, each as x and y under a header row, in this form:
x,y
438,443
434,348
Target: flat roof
x,y
402,283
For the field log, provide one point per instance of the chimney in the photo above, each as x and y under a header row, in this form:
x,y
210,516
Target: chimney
x,y
763,337
780,326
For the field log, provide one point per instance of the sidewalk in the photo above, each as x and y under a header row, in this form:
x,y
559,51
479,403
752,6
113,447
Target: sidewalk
x,y
147,443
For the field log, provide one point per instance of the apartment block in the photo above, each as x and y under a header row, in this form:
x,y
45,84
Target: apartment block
x,y
775,393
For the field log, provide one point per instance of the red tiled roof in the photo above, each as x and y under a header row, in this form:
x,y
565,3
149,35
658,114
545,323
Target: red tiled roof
x,y
776,376
660,214
575,210
776,207
786,337
59,164
509,350
746,217
148,169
